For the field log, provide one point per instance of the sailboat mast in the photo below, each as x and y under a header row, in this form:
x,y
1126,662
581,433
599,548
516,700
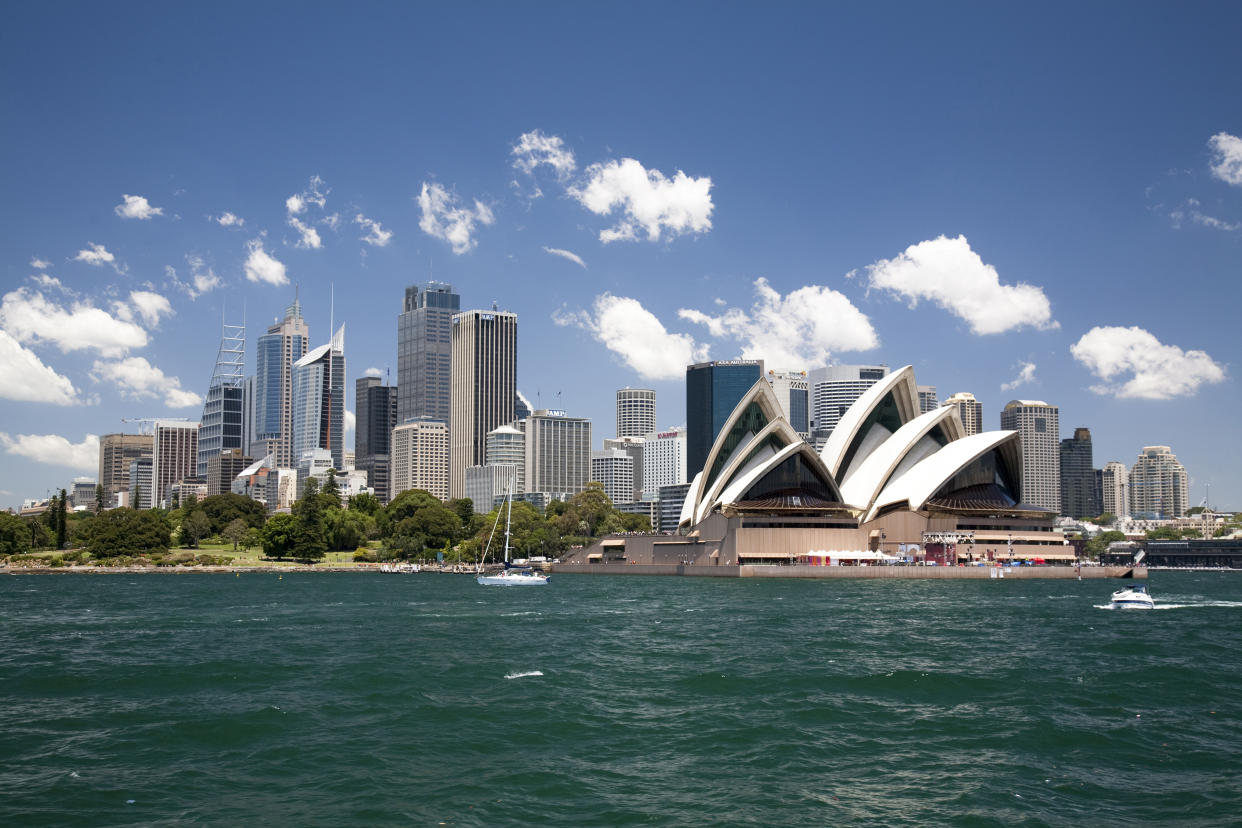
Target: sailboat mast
x,y
508,517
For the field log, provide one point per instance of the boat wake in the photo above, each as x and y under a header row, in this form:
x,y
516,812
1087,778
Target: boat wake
x,y
1171,606
524,675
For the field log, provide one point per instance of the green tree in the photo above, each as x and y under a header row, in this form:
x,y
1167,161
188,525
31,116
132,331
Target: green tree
x,y
62,526
365,503
309,541
332,488
1100,542
347,529
129,532
277,535
464,509
1195,510
40,537
14,535
235,531
252,538
195,527
223,509
1164,533
99,498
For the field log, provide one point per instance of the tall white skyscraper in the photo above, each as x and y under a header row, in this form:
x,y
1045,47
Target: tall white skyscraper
x,y
835,388
1159,486
793,389
969,410
507,445
614,468
484,387
319,401
636,412
664,461
1116,489
558,452
284,343
419,457
1039,425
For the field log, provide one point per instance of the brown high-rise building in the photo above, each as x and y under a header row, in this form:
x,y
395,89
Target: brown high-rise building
x,y
484,388
223,469
116,452
175,457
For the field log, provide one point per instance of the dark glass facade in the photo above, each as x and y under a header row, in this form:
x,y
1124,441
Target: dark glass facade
x,y
713,390
375,418
1080,495
424,351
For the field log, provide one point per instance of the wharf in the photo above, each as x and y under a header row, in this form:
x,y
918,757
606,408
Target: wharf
x,y
948,573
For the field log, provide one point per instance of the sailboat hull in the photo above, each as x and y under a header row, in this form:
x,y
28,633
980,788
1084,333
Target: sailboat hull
x,y
512,577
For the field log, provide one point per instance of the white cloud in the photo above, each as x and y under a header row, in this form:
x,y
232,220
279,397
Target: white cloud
x,y
98,256
333,222
138,379
566,254
373,372
535,148
54,450
350,421
315,193
794,332
262,267
1227,158
310,236
632,332
227,219
150,306
947,272
137,207
1214,223
444,219
648,200
24,377
30,317
50,282
376,234
202,277
1026,375
1156,371
40,264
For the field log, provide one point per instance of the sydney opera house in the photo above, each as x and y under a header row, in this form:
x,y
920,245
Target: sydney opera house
x,y
891,484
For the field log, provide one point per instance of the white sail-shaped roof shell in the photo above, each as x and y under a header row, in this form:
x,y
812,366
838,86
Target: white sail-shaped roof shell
x,y
741,461
919,483
909,445
738,487
905,393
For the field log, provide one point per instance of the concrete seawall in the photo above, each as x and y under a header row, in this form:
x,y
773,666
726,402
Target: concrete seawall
x,y
856,572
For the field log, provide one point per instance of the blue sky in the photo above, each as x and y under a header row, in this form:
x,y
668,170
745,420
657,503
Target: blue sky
x,y
1036,202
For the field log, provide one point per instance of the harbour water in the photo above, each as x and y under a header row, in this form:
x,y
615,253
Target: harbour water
x,y
346,699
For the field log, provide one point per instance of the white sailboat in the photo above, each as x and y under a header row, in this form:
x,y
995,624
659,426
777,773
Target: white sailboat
x,y
509,576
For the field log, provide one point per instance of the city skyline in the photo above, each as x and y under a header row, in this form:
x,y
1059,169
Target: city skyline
x,y
1067,231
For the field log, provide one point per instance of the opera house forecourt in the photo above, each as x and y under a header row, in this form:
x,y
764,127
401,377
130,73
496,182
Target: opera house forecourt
x,y
891,486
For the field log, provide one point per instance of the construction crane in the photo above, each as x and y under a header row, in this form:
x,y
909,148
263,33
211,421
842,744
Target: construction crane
x,y
146,425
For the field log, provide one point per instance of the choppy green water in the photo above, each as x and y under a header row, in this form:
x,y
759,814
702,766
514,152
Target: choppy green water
x,y
427,700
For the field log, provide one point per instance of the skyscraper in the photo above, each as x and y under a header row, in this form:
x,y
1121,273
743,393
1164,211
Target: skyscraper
x,y
375,410
834,389
506,445
224,410
1116,489
1038,424
664,462
116,453
614,469
484,387
1079,498
174,458
927,398
284,344
424,351
794,392
319,401
223,468
1159,487
969,410
633,447
420,452
636,412
713,390
558,452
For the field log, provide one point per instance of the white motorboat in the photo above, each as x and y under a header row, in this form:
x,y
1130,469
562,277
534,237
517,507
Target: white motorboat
x,y
1133,597
509,576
